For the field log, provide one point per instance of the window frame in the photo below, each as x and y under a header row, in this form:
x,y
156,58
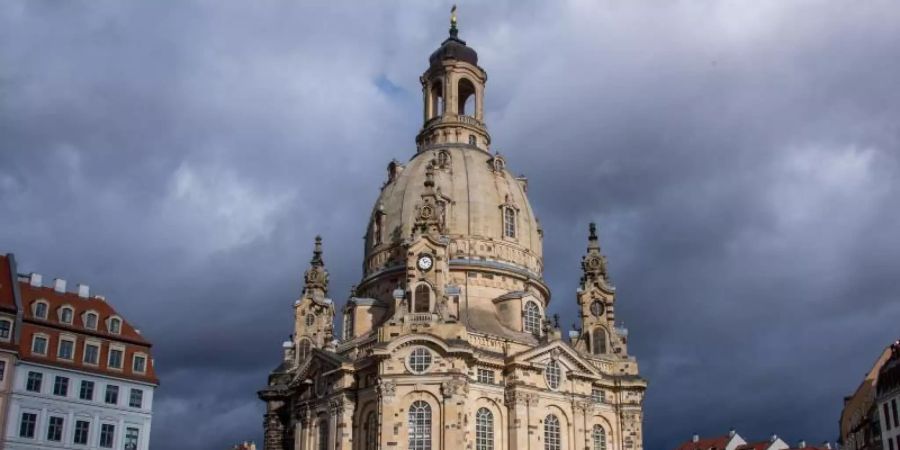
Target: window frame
x,y
553,375
510,223
46,310
32,423
59,431
8,329
111,388
86,432
419,422
108,431
532,318
93,343
86,322
70,339
134,358
34,339
552,433
61,386
86,386
140,398
598,437
485,376
484,429
420,356
61,314
30,381
109,325
109,357
128,436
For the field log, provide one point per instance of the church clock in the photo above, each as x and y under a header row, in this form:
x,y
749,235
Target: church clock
x,y
425,263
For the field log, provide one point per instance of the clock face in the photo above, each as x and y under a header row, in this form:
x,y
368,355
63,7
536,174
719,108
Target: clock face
x,y
597,308
425,262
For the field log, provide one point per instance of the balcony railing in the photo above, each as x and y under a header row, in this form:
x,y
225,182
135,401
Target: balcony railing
x,y
419,318
454,118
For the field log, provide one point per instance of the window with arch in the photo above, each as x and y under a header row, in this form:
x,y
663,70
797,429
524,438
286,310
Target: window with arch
x,y
552,433
472,139
90,320
66,315
5,329
531,321
115,325
553,374
443,159
310,320
509,222
419,426
437,99
378,228
348,325
599,438
484,429
599,341
371,430
422,299
303,350
465,91
419,360
323,434
40,309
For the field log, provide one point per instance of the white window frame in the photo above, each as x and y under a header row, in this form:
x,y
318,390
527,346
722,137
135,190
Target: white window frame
x,y
109,353
134,359
419,421
66,338
61,311
510,222
84,319
109,322
419,352
34,339
540,312
554,375
485,376
34,306
484,429
9,337
553,433
84,353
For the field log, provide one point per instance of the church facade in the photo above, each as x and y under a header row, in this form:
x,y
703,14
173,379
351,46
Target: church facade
x,y
445,342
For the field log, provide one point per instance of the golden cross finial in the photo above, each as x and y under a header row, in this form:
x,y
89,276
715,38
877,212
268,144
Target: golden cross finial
x,y
453,16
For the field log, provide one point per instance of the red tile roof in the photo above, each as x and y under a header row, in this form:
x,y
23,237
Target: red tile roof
x,y
7,283
761,445
716,443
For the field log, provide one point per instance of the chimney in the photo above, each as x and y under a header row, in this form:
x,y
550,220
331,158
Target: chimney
x,y
84,290
36,279
827,445
102,298
731,432
59,285
695,438
801,444
773,438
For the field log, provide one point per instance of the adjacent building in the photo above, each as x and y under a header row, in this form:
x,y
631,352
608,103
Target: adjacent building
x,y
860,423
734,441
887,399
446,343
83,376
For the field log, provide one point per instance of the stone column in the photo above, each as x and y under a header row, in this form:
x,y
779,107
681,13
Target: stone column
x,y
454,394
274,435
518,411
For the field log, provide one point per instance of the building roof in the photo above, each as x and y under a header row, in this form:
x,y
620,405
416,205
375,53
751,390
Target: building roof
x,y
761,445
7,284
889,374
715,443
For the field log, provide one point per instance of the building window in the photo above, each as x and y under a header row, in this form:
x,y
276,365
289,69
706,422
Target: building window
x,y
139,364
599,438
115,358
551,433
40,310
65,315
532,319
323,435
419,426
27,426
55,429
472,140
112,394
5,329
310,320
66,349
484,429
2,370
90,321
91,354
136,398
115,325
61,386
553,374
599,341
486,376
39,345
894,409
304,350
34,382
422,299
107,434
371,431
509,222
131,438
419,360
887,417
87,390
82,431
598,395
348,325
378,228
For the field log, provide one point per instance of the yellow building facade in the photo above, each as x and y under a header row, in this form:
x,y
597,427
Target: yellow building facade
x,y
445,342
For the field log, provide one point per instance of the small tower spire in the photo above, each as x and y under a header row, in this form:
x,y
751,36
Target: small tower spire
x,y
317,253
316,277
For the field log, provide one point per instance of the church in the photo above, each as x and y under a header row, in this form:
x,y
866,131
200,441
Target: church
x,y
445,340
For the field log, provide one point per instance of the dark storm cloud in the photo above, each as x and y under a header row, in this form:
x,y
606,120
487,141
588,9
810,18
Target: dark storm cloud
x,y
741,159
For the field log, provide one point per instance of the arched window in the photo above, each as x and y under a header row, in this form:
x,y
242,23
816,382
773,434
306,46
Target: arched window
x,y
437,99
553,374
599,341
348,325
531,322
599,438
40,309
378,228
90,321
419,426
422,299
466,93
551,433
115,325
310,320
371,428
443,159
323,434
509,222
66,314
303,350
484,429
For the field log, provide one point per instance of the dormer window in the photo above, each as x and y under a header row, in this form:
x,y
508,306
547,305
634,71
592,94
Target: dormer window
x,y
40,309
66,315
90,320
531,319
115,325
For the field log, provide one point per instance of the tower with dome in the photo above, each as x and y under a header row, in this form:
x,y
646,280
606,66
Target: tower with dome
x,y
445,341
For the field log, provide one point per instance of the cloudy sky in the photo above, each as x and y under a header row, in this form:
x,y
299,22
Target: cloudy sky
x,y
742,160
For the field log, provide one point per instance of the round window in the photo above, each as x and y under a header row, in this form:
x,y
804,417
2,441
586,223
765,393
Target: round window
x,y
553,374
419,360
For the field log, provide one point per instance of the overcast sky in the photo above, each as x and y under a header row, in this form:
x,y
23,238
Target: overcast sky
x,y
741,159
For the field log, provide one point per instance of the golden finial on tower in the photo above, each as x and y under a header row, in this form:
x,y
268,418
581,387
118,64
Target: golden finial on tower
x,y
453,16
